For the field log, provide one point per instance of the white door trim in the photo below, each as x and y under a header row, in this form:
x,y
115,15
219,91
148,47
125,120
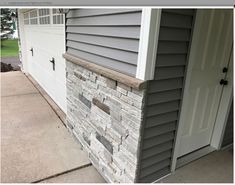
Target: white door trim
x,y
23,49
223,109
193,156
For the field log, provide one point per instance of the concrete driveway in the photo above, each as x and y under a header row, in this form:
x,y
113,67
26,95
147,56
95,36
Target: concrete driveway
x,y
35,145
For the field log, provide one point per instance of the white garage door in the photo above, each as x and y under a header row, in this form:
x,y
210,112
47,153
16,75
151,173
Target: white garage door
x,y
45,44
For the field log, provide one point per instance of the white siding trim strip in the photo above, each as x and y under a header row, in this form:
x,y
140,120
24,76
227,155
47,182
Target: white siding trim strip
x,y
150,24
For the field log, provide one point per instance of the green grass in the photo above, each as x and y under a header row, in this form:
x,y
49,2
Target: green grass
x,y
9,48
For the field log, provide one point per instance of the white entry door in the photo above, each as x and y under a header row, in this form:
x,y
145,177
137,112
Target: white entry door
x,y
46,37
210,53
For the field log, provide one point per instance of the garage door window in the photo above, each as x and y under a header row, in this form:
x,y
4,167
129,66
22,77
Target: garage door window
x,y
26,18
58,18
44,16
33,17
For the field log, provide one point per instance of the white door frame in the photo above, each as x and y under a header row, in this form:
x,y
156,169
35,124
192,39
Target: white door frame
x,y
23,49
222,114
224,108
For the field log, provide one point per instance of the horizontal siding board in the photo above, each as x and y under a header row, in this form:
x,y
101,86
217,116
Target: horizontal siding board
x,y
169,72
169,34
106,62
157,149
164,85
164,96
133,19
127,57
162,108
189,12
158,139
121,32
169,47
161,119
156,159
156,175
96,12
159,130
175,20
152,169
107,37
164,60
112,42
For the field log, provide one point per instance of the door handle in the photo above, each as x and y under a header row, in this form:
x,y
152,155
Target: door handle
x,y
223,82
53,63
225,70
31,51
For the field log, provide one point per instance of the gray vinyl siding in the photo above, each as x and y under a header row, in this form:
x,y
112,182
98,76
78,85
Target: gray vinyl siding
x,y
228,134
164,94
108,37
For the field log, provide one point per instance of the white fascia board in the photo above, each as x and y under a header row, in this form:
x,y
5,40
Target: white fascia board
x,y
150,24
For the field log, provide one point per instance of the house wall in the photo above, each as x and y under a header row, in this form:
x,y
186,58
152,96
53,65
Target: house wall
x,y
106,118
129,133
108,37
164,94
104,114
228,134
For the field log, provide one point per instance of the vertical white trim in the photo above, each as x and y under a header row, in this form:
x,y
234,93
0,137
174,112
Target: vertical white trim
x,y
23,48
150,24
224,109
51,16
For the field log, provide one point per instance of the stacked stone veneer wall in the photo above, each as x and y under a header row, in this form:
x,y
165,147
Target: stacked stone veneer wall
x,y
106,117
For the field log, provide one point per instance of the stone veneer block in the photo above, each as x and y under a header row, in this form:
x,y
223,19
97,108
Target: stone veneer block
x,y
106,117
107,144
102,106
84,100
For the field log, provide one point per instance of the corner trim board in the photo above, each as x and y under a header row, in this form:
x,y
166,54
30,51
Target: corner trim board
x,y
150,25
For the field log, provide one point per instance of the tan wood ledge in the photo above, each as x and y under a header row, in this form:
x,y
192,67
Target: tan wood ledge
x,y
109,73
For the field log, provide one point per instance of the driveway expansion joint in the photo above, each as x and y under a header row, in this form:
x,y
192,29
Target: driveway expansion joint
x,y
62,173
19,94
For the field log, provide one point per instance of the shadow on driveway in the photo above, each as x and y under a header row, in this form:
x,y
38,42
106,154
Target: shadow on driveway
x,y
10,64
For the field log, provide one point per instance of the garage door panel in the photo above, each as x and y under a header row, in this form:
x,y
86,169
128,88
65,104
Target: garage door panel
x,y
49,45
51,86
52,29
48,41
43,58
